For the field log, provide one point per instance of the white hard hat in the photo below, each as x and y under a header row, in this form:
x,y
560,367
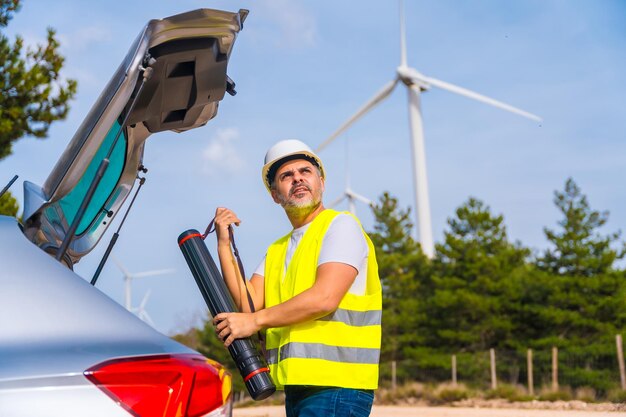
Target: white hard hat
x,y
284,151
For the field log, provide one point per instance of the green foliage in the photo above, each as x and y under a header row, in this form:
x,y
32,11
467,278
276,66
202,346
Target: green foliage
x,y
404,271
7,7
579,250
469,309
33,92
581,308
574,299
8,205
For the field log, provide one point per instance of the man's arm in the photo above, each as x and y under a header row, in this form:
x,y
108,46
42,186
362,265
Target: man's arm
x,y
230,269
333,280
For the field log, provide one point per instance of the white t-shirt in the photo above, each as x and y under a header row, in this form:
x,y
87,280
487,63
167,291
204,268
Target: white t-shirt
x,y
343,242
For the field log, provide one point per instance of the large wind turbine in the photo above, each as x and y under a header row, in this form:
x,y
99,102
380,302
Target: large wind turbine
x,y
417,83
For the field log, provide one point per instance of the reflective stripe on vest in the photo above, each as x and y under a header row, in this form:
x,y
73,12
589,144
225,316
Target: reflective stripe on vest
x,y
341,349
355,318
321,351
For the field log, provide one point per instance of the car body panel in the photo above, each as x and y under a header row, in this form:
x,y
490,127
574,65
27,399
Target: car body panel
x,y
53,327
54,322
60,396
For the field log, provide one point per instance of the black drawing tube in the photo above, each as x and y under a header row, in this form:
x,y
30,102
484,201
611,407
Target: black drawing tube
x,y
251,364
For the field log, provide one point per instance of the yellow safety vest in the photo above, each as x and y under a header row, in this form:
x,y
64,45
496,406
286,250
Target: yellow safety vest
x,y
341,349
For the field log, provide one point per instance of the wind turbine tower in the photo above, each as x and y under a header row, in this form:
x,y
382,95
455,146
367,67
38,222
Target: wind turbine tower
x,y
416,83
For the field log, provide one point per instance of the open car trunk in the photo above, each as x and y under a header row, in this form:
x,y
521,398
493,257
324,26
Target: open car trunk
x,y
172,78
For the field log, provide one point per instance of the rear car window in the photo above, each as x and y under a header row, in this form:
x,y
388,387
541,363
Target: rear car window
x,y
71,202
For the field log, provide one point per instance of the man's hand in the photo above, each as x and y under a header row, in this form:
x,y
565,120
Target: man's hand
x,y
223,218
231,326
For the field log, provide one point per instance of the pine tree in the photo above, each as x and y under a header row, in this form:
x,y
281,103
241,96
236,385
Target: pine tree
x,y
581,305
32,93
470,309
579,250
8,205
404,272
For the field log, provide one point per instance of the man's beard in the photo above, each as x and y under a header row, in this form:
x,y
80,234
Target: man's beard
x,y
302,206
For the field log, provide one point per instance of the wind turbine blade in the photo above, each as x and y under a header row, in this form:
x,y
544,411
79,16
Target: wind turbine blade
x,y
151,273
380,96
120,266
362,199
473,95
337,201
145,300
143,315
402,36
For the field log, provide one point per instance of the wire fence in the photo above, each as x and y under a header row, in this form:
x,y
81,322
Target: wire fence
x,y
534,369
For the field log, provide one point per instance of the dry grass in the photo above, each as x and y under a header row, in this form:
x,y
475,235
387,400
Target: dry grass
x,y
417,393
586,394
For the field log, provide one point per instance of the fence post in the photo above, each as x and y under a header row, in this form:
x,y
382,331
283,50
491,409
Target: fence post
x,y
555,368
529,368
393,375
620,360
494,380
454,370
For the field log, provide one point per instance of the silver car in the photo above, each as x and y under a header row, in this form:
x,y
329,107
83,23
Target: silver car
x,y
67,349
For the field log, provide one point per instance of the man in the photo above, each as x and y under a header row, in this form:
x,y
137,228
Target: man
x,y
317,294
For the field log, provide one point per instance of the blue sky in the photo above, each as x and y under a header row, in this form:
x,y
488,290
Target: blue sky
x,y
303,67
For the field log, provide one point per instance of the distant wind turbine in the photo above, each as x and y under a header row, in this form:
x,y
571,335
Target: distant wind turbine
x,y
417,83
128,277
348,194
351,196
141,310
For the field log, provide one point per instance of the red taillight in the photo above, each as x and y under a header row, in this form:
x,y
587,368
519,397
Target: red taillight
x,y
186,385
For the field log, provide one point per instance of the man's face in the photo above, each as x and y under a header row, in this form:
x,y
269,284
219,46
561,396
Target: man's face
x,y
298,186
